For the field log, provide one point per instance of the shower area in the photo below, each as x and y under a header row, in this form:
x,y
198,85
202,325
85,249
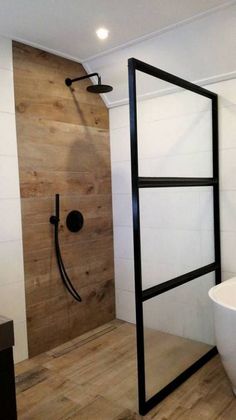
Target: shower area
x,y
81,294
63,148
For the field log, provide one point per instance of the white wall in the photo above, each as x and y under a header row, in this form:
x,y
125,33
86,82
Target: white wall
x,y
177,224
12,290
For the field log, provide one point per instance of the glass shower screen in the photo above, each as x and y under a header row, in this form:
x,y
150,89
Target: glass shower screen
x,y
175,196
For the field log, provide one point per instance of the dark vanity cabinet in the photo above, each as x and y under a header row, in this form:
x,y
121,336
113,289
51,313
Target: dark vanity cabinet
x,y
7,376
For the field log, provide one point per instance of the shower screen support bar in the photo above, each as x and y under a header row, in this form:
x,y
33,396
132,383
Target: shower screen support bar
x,y
156,182
177,281
150,182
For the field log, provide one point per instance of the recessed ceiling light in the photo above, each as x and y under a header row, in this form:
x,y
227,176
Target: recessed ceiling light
x,y
102,33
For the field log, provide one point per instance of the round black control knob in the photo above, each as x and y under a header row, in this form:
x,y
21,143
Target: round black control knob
x,y
74,221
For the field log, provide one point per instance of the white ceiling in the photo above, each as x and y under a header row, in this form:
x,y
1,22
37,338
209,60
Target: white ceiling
x,y
68,27
202,51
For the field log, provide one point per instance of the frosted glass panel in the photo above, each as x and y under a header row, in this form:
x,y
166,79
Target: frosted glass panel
x,y
178,330
177,233
174,132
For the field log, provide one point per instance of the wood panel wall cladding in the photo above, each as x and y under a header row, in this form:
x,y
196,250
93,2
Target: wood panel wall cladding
x,y
63,147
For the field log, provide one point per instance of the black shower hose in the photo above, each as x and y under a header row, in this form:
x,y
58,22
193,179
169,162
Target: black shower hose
x,y
64,276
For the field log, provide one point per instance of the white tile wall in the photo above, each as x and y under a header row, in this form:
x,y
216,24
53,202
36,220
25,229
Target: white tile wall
x,y
125,305
7,91
177,225
9,187
21,347
6,54
228,240
8,145
186,134
121,182
11,262
123,241
194,164
122,210
190,304
227,210
227,127
180,104
10,217
12,287
124,272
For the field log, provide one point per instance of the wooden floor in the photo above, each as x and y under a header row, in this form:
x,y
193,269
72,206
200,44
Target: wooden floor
x,y
94,377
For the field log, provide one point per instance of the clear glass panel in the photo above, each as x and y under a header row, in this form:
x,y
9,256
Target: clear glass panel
x,y
174,131
178,330
177,234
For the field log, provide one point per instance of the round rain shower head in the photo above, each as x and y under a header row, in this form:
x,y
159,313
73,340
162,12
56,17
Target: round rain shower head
x,y
99,88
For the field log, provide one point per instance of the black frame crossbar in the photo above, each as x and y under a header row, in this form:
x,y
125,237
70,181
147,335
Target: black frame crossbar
x,y
152,182
154,291
167,182
171,78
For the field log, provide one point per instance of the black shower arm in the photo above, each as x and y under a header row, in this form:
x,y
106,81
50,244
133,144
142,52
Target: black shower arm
x,y
69,82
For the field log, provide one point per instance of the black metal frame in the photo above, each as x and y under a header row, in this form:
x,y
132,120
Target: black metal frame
x,y
147,182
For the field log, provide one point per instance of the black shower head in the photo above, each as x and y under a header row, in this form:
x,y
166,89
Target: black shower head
x,y
98,88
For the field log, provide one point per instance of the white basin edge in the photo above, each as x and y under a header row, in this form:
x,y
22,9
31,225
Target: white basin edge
x,y
218,287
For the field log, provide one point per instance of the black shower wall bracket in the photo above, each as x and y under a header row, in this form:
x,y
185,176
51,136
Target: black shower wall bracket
x,y
74,223
69,81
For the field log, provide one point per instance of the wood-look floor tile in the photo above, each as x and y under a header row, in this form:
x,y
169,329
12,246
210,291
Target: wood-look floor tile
x,y
31,378
46,399
102,409
93,377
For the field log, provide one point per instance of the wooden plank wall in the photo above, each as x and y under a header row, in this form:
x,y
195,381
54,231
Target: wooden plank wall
x,y
63,146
